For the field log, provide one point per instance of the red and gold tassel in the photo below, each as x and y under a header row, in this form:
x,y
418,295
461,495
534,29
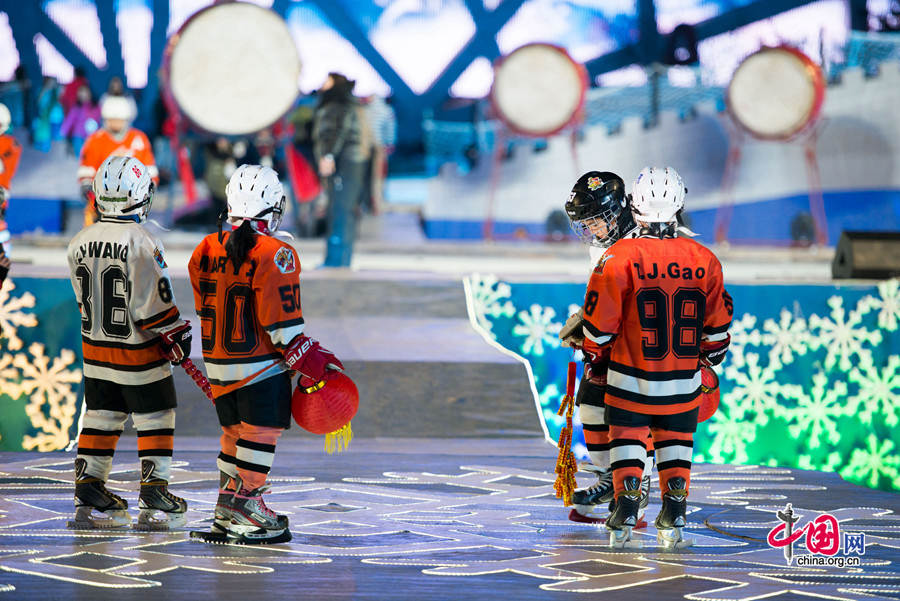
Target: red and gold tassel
x,y
565,461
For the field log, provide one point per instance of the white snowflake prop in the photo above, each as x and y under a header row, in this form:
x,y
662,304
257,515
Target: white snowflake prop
x,y
879,391
843,335
888,306
538,328
11,315
787,337
48,383
487,300
816,414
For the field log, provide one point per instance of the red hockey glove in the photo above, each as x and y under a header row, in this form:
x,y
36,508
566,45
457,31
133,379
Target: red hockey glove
x,y
307,356
176,343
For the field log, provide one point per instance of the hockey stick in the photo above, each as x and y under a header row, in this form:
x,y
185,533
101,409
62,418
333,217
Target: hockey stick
x,y
199,379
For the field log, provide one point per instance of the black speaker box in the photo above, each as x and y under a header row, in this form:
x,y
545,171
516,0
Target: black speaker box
x,y
868,255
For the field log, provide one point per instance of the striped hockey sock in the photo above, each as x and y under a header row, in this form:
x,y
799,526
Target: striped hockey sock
x,y
674,451
596,433
627,454
227,460
156,439
255,452
100,432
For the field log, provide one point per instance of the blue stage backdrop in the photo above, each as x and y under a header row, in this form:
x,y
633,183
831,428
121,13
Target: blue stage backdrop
x,y
812,378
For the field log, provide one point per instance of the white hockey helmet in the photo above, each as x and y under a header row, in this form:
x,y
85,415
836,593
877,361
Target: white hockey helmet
x,y
657,195
116,107
254,192
5,118
123,188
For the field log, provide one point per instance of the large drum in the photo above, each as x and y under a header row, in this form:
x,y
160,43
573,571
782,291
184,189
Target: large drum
x,y
538,90
232,68
776,93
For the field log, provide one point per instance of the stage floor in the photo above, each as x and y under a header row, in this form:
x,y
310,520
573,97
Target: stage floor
x,y
435,519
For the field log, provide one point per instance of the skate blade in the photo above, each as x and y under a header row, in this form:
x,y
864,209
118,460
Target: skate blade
x,y
621,539
577,516
111,520
147,523
673,540
266,537
214,538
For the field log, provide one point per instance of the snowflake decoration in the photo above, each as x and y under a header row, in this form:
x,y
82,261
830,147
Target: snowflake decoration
x,y
843,335
550,399
867,466
11,315
731,435
829,464
879,388
888,305
743,334
756,390
787,337
816,414
487,300
538,328
48,384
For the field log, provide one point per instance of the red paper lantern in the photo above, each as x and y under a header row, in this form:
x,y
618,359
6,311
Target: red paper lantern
x,y
327,406
709,395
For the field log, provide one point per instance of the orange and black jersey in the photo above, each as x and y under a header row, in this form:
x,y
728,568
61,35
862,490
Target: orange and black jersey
x,y
248,315
656,301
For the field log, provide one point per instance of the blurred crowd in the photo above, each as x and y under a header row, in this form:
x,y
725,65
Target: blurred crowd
x,y
330,151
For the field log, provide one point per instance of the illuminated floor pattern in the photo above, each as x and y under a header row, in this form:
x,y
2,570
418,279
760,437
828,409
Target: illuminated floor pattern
x,y
434,520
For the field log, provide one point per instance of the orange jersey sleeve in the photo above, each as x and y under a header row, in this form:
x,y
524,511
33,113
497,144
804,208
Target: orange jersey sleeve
x,y
654,301
10,151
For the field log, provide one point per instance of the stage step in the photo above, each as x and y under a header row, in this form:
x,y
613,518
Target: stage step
x,y
421,369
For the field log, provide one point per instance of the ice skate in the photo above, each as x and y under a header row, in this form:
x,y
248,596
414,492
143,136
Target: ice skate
x,y
645,498
218,532
624,516
91,495
252,523
587,500
670,522
154,499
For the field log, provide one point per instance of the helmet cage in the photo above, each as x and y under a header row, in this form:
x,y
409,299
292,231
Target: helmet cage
x,y
586,229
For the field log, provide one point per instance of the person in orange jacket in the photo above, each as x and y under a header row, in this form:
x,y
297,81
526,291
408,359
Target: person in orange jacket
x,y
10,151
116,137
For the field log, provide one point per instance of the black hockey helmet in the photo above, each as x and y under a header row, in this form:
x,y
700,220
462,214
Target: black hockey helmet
x,y
595,204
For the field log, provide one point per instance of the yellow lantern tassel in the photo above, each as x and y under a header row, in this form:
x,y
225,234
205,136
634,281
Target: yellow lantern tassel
x,y
338,440
565,460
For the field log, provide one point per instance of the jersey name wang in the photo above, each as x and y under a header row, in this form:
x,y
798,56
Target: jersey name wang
x,y
98,249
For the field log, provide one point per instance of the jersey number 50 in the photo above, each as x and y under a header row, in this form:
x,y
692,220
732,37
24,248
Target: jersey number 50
x,y
679,333
239,331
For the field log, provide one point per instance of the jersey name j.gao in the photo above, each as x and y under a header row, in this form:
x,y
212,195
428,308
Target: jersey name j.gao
x,y
98,249
672,271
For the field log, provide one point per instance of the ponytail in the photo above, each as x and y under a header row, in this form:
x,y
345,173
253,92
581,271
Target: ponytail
x,y
240,243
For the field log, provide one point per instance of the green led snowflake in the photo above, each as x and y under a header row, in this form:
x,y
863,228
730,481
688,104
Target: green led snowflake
x,y
868,466
816,414
843,335
487,296
879,389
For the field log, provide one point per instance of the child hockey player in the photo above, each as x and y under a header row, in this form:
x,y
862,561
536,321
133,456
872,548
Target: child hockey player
x,y
247,293
658,306
131,330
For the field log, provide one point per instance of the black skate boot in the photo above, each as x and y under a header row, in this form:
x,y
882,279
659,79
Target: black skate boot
x,y
155,497
645,497
91,495
586,500
670,522
252,523
624,515
218,532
